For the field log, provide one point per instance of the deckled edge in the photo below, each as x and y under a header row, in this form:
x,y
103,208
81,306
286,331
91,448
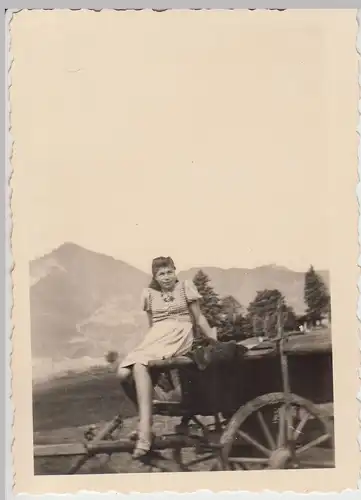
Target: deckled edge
x,y
358,194
9,263
9,288
160,10
201,494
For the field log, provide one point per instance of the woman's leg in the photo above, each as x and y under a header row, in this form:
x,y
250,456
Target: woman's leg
x,y
144,388
127,383
124,375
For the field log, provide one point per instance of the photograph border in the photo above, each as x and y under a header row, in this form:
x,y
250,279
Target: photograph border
x,y
8,263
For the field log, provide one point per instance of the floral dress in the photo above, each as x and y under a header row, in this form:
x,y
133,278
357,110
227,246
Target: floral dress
x,y
172,332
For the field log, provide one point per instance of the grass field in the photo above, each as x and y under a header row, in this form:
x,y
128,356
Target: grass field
x,y
78,400
63,413
64,408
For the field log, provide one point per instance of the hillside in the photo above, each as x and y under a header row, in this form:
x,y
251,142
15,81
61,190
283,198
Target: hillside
x,y
84,304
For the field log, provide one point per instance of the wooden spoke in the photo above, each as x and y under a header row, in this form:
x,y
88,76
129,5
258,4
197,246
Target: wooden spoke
x,y
312,444
289,421
281,438
301,426
266,431
246,437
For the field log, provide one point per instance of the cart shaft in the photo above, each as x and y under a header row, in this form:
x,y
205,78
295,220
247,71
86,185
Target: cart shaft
x,y
116,446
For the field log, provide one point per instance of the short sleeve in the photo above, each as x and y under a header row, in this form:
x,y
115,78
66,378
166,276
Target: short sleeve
x,y
191,291
145,300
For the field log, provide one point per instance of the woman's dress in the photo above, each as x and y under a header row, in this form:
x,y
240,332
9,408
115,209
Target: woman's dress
x,y
171,334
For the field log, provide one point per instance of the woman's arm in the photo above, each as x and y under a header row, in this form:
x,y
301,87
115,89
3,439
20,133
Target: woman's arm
x,y
201,321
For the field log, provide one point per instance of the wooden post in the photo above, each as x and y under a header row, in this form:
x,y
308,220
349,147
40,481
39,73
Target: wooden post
x,y
284,371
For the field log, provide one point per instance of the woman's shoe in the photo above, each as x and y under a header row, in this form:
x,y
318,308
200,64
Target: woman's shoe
x,y
142,448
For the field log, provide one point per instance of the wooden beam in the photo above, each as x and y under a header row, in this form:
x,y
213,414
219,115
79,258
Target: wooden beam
x,y
60,450
116,446
171,362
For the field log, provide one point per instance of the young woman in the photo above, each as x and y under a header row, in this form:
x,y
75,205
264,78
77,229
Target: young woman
x,y
172,307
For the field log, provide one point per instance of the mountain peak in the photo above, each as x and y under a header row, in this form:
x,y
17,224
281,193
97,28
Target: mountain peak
x,y
70,248
275,267
65,248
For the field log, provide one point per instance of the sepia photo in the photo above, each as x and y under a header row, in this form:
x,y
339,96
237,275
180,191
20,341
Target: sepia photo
x,y
185,250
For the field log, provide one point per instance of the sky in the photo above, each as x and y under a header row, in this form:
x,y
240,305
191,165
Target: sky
x,y
209,147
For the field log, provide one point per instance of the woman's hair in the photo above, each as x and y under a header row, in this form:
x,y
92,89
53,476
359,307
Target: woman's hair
x,y
157,264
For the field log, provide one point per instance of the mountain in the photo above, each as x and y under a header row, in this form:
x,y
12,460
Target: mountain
x,y
243,284
84,304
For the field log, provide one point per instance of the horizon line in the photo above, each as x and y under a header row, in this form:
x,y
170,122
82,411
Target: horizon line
x,y
71,243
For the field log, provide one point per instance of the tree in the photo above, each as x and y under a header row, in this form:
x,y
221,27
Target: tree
x,y
111,356
290,321
210,303
247,327
263,313
231,308
316,296
232,320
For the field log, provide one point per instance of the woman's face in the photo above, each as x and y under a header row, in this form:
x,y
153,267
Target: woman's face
x,y
166,277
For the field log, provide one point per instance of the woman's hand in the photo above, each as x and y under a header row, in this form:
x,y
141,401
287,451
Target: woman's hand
x,y
201,321
214,333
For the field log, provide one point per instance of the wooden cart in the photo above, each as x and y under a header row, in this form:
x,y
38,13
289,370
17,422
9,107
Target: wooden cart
x,y
271,409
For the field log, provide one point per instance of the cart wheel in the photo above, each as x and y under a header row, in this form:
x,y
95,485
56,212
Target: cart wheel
x,y
272,432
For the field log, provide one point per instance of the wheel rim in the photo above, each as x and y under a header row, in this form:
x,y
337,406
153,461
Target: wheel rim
x,y
296,438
